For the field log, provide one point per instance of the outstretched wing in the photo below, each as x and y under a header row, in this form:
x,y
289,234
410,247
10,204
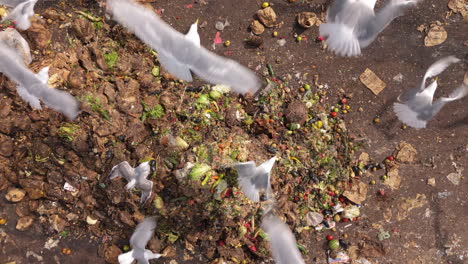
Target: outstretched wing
x,y
178,54
143,233
283,245
123,169
53,98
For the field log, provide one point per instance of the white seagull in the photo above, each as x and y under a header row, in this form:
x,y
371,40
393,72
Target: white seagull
x,y
353,25
283,244
180,54
21,12
254,180
415,107
136,177
143,233
30,87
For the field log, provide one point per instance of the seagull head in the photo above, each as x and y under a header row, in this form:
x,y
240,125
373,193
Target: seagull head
x,y
152,164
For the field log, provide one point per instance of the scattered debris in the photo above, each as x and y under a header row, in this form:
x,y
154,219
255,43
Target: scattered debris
x,y
406,152
436,35
220,25
431,182
307,19
398,78
15,195
256,27
459,6
408,204
358,192
454,177
267,16
372,81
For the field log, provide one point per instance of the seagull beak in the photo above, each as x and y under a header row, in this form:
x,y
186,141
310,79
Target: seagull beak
x,y
196,21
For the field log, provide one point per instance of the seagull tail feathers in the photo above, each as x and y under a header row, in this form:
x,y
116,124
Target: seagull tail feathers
x,y
408,116
126,258
340,39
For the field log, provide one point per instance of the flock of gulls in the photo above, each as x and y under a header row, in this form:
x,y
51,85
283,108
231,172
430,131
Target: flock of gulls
x,y
351,25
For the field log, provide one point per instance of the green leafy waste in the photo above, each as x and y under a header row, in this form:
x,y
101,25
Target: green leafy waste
x,y
111,58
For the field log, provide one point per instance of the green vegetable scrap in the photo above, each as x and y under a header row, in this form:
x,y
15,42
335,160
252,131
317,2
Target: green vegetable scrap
x,y
198,171
96,106
67,131
111,58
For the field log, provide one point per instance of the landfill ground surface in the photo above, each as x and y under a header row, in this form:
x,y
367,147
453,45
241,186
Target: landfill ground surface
x,y
132,110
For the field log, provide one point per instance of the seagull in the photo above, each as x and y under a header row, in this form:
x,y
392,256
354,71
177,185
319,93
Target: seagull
x,y
136,177
353,24
22,11
415,107
143,233
12,65
253,180
178,54
33,101
282,242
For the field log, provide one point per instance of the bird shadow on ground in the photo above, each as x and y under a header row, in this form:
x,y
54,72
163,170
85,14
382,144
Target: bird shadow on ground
x,y
441,236
458,123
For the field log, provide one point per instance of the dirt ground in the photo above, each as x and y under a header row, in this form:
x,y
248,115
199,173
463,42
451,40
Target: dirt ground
x,y
424,214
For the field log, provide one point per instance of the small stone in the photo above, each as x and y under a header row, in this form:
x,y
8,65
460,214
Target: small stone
x,y
256,27
15,195
24,223
267,16
431,182
307,19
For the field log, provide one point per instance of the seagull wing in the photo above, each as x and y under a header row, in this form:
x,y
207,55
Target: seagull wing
x,y
341,32
219,70
21,14
335,10
53,98
143,233
246,177
282,242
178,54
123,169
372,27
11,3
457,94
408,116
32,100
435,69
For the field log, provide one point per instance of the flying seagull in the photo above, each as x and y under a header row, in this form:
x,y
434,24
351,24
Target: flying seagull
x,y
143,233
31,87
179,54
283,245
352,24
21,12
254,180
33,101
136,177
415,107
